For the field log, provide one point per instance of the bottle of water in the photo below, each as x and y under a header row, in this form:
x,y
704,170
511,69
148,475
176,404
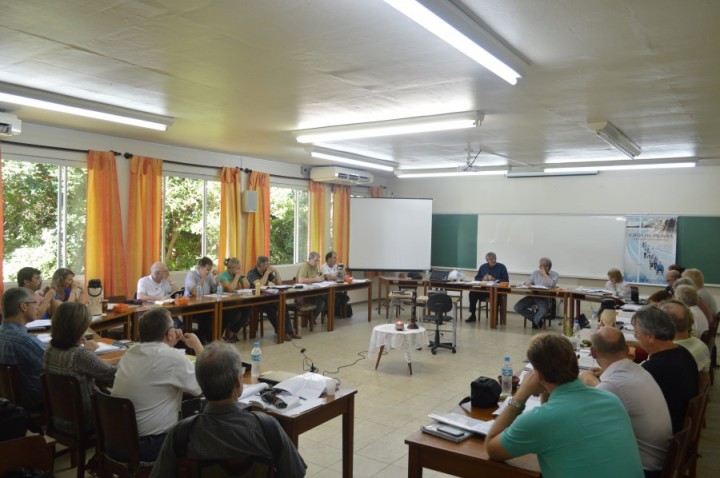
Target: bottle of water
x,y
256,355
507,374
257,287
199,292
219,292
595,321
576,334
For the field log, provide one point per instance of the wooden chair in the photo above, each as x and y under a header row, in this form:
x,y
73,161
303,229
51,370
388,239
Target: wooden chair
x,y
694,418
116,428
27,452
709,338
63,401
673,466
10,389
236,467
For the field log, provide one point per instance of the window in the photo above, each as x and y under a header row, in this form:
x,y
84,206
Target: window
x,y
289,235
44,206
191,221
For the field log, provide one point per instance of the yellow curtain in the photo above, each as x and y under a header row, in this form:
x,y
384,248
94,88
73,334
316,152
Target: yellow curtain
x,y
144,216
257,237
318,217
2,230
104,251
341,222
377,192
230,209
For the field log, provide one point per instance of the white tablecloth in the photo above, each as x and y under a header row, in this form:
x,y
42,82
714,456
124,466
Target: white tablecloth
x,y
405,340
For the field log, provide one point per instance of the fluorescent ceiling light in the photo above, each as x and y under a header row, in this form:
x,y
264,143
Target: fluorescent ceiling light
x,y
443,20
448,174
616,138
419,124
353,159
33,98
624,167
549,173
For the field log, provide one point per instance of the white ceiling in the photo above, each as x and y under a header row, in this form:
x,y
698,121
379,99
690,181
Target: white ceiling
x,y
238,76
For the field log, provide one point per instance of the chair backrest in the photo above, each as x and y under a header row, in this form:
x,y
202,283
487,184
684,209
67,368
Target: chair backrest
x,y
10,383
675,457
27,452
241,467
709,335
116,427
694,419
439,303
63,400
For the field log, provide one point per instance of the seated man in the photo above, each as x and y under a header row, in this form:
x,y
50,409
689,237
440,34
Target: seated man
x,y
639,393
492,270
682,318
687,294
542,277
309,273
672,366
154,376
579,431
200,281
226,429
157,285
265,273
18,347
30,278
330,272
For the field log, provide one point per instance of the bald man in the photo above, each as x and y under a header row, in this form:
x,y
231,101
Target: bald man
x,y
157,285
640,394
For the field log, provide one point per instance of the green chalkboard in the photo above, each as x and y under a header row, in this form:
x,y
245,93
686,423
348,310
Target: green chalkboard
x,y
698,245
454,240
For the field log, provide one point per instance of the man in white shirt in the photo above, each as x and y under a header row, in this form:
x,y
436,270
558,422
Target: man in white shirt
x,y
157,285
154,376
639,392
330,272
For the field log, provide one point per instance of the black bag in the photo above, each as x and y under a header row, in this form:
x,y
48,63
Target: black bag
x,y
13,420
484,393
583,321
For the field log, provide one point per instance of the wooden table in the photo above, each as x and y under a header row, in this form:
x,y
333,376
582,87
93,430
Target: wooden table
x,y
385,282
127,320
467,458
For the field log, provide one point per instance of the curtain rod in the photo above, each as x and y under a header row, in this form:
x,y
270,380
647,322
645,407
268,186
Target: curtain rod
x,y
130,155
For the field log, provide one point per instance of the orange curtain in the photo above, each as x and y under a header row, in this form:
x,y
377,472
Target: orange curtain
x,y
104,251
257,237
318,217
377,192
2,230
230,209
144,216
341,222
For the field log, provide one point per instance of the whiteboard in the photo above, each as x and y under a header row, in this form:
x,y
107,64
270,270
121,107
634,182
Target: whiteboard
x,y
391,234
578,246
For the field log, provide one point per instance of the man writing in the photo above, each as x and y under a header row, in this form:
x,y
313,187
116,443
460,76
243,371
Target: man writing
x,y
492,270
157,285
570,432
330,272
639,393
543,277
266,274
309,273
226,429
672,366
30,278
154,376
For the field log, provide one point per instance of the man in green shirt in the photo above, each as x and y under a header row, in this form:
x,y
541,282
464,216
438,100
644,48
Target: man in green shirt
x,y
309,273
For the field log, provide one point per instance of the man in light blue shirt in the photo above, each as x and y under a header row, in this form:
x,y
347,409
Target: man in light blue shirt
x,y
543,277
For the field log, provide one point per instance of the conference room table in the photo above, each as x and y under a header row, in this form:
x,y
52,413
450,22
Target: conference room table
x,y
467,458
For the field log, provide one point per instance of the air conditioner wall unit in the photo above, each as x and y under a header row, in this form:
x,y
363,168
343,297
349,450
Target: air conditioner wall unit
x,y
337,175
10,125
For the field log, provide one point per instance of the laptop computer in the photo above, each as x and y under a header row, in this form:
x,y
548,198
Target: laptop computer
x,y
439,275
634,294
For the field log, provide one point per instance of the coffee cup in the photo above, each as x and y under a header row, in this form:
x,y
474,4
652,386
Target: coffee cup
x,y
330,388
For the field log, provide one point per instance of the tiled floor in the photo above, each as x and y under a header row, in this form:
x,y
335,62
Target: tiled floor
x,y
391,404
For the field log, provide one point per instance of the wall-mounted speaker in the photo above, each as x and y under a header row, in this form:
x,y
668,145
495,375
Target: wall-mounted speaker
x,y
249,201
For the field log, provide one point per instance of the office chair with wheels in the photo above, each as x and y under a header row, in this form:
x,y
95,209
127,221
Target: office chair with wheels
x,y
439,305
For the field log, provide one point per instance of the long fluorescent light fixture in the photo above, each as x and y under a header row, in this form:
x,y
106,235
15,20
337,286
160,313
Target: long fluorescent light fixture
x,y
549,173
353,159
449,174
20,95
623,167
443,20
418,124
616,138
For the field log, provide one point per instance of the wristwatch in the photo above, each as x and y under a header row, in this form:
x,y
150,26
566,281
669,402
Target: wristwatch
x,y
516,403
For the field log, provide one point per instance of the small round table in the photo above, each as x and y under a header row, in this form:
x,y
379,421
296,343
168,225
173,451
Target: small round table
x,y
405,340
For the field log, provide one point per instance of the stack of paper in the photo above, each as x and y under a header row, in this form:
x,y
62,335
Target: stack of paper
x,y
463,422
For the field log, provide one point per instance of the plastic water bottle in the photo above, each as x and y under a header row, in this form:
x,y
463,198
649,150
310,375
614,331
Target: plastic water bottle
x,y
256,355
595,319
576,334
199,291
507,374
219,292
257,287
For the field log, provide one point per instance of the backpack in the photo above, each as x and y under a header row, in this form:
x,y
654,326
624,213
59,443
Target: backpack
x,y
13,420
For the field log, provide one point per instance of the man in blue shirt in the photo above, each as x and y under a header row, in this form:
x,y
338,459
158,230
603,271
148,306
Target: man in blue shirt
x,y
492,270
578,430
18,347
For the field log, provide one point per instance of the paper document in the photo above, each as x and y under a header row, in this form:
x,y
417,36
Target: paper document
x,y
532,286
38,324
585,360
104,348
44,338
308,385
463,422
95,318
631,307
531,403
253,389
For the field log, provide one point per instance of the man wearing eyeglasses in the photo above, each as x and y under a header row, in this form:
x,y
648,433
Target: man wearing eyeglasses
x,y
18,347
30,278
154,376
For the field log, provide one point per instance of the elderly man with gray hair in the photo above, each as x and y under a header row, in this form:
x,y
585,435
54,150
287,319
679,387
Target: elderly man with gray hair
x,y
543,277
227,429
682,317
672,366
689,296
309,273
